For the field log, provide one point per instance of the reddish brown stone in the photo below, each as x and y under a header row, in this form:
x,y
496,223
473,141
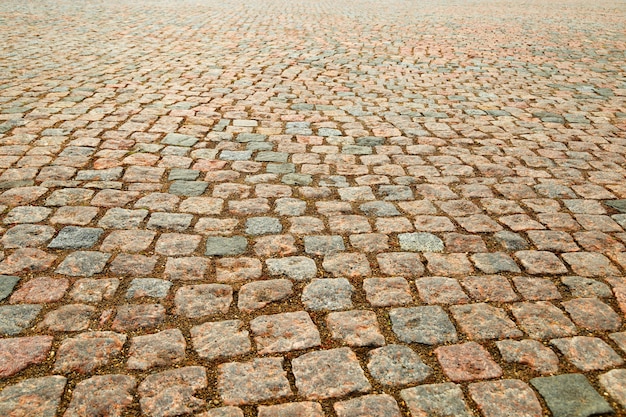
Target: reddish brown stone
x,y
26,260
489,288
237,269
252,382
170,393
588,353
449,264
19,353
593,314
405,264
166,348
40,290
509,397
104,396
467,362
138,316
529,352
88,351
349,265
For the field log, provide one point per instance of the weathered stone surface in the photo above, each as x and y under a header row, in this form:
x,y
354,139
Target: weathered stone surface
x,y
88,290
542,320
328,294
385,292
355,328
26,260
83,264
375,405
328,374
165,348
40,290
420,242
529,352
19,353
592,314
131,317
26,236
69,318
428,325
252,382
436,400
298,268
74,237
304,409
284,332
395,365
256,295
7,284
614,382
33,397
237,269
588,353
509,397
481,322
88,351
15,319
222,339
226,246
467,362
171,393
106,396
195,301
570,395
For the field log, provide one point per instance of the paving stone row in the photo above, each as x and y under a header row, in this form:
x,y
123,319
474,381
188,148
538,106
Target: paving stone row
x,y
298,208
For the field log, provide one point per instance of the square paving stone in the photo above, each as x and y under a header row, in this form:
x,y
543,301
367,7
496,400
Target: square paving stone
x,y
40,290
186,268
441,290
428,325
509,397
590,264
493,263
467,362
19,353
586,287
225,246
221,339
420,242
148,287
533,288
102,395
395,365
128,241
83,263
133,265
323,245
355,328
237,269
119,218
570,395
15,319
588,353
304,409
350,265
188,188
375,405
284,332
405,264
173,391
482,322
298,268
68,318
540,262
614,382
177,222
328,294
86,352
328,374
529,352
542,320
88,290
131,317
258,380
26,235
489,288
26,260
592,314
27,214
256,295
195,301
176,244
436,400
385,292
166,348
33,397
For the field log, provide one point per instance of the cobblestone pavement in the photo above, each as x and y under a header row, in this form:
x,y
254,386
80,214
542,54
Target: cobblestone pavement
x,y
312,208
